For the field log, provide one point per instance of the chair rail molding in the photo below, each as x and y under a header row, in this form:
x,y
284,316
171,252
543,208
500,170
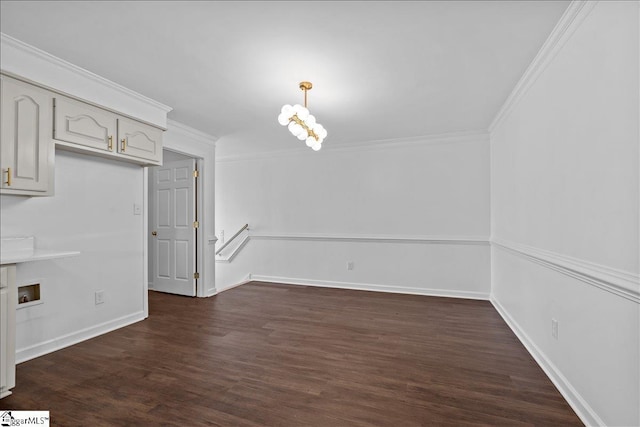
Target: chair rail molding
x,y
355,238
441,240
622,283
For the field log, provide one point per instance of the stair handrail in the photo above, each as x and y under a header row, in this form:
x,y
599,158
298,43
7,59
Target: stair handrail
x,y
244,227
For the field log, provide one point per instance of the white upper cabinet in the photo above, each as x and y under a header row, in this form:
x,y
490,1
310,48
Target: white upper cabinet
x,y
26,147
84,124
140,141
89,129
36,120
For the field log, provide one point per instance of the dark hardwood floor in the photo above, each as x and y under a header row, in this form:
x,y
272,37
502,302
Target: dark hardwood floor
x,y
278,355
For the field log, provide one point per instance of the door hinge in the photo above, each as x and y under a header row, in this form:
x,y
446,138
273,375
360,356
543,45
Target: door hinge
x,y
196,275
196,173
196,224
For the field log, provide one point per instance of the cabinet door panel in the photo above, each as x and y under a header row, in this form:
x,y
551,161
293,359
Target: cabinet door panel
x,y
25,142
4,310
139,140
84,124
8,301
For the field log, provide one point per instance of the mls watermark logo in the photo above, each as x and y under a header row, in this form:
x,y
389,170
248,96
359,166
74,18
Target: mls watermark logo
x,y
24,418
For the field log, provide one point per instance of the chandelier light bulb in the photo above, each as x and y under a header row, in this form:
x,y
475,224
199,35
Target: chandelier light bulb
x,y
283,119
310,121
303,114
301,123
293,128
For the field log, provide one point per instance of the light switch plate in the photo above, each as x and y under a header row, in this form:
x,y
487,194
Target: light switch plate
x,y
99,297
137,209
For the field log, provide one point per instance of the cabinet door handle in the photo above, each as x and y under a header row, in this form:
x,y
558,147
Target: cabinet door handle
x,y
124,144
110,142
154,233
8,181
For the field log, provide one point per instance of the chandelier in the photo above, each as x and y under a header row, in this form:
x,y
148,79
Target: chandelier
x,y
302,124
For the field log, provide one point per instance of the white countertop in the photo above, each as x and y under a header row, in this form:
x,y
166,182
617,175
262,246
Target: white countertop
x,y
36,255
14,250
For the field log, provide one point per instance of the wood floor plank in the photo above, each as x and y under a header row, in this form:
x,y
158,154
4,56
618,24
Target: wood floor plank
x,y
280,355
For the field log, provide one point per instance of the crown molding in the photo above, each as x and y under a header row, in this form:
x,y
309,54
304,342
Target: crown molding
x,y
572,18
621,283
29,62
431,139
61,63
191,133
263,155
382,144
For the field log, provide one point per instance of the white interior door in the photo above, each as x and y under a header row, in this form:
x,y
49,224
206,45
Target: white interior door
x,y
173,234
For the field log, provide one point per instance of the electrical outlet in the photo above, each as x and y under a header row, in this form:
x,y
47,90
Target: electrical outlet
x,y
99,297
554,328
221,236
350,265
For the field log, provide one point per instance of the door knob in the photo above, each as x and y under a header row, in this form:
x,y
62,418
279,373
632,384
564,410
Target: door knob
x,y
154,233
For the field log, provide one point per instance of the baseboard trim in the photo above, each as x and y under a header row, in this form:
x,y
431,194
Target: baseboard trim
x,y
40,349
372,287
586,414
235,285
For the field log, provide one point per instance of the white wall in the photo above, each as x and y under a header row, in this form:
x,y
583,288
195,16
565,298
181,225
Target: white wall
x,y
36,65
413,218
91,212
565,213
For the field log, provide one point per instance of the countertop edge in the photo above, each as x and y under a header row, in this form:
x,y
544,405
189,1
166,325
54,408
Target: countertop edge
x,y
37,255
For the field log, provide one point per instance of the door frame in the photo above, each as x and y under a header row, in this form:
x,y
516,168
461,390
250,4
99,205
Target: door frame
x,y
190,142
177,285
199,247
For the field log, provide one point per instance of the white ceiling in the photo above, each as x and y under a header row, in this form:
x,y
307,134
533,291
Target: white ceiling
x,y
381,70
